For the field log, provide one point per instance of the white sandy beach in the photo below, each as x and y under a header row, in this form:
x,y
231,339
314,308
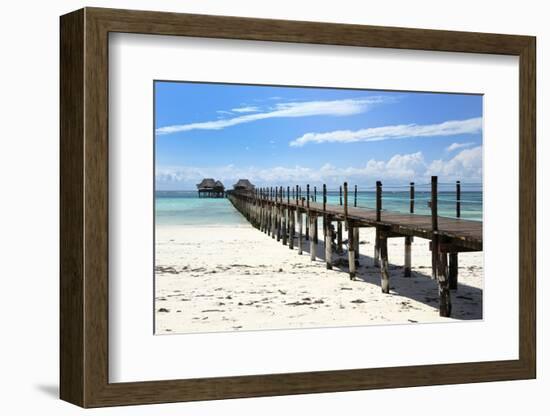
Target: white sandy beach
x,y
238,278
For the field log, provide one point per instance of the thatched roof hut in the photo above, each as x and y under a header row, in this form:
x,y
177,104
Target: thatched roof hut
x,y
207,183
243,185
211,188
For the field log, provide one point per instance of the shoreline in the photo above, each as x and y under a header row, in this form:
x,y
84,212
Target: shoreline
x,y
238,278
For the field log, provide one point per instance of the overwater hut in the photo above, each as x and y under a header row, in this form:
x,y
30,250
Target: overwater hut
x,y
210,188
243,185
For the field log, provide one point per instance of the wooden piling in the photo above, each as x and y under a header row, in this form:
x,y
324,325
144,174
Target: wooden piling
x,y
453,271
443,280
376,260
435,237
376,257
339,237
313,239
300,227
453,256
355,196
291,229
458,199
278,213
328,243
356,245
351,253
407,268
307,212
409,239
384,272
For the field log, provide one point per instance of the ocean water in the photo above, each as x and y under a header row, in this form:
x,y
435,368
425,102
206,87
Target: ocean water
x,y
185,208
471,202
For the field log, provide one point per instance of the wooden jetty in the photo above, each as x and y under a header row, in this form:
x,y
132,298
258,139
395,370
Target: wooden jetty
x,y
286,215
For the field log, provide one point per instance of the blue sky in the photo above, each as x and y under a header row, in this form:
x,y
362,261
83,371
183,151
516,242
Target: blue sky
x,y
289,135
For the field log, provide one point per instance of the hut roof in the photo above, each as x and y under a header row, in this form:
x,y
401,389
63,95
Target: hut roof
x,y
206,183
243,183
218,184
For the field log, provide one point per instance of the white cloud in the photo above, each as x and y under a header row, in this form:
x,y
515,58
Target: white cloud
x,y
402,131
247,109
456,146
284,110
466,165
399,169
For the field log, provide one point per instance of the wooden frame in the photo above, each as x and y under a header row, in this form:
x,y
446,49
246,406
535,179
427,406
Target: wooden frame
x,y
84,207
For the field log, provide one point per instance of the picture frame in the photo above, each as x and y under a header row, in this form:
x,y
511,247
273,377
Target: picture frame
x,y
84,172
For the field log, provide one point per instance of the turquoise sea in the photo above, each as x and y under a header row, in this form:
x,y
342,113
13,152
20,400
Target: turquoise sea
x,y
185,208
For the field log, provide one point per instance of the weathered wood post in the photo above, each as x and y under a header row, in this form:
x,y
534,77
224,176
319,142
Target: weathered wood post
x,y
453,270
355,197
328,243
313,239
284,226
316,222
354,230
356,245
376,260
408,239
281,211
458,199
288,212
300,227
261,207
385,275
290,221
351,252
268,210
274,212
325,219
340,237
440,258
453,256
345,202
435,237
308,220
278,213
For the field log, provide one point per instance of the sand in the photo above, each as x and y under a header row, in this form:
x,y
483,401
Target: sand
x,y
238,278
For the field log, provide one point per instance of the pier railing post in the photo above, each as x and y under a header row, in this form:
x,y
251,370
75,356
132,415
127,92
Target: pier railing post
x,y
346,202
408,239
435,239
453,256
378,200
307,212
439,258
376,259
300,227
355,197
458,199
